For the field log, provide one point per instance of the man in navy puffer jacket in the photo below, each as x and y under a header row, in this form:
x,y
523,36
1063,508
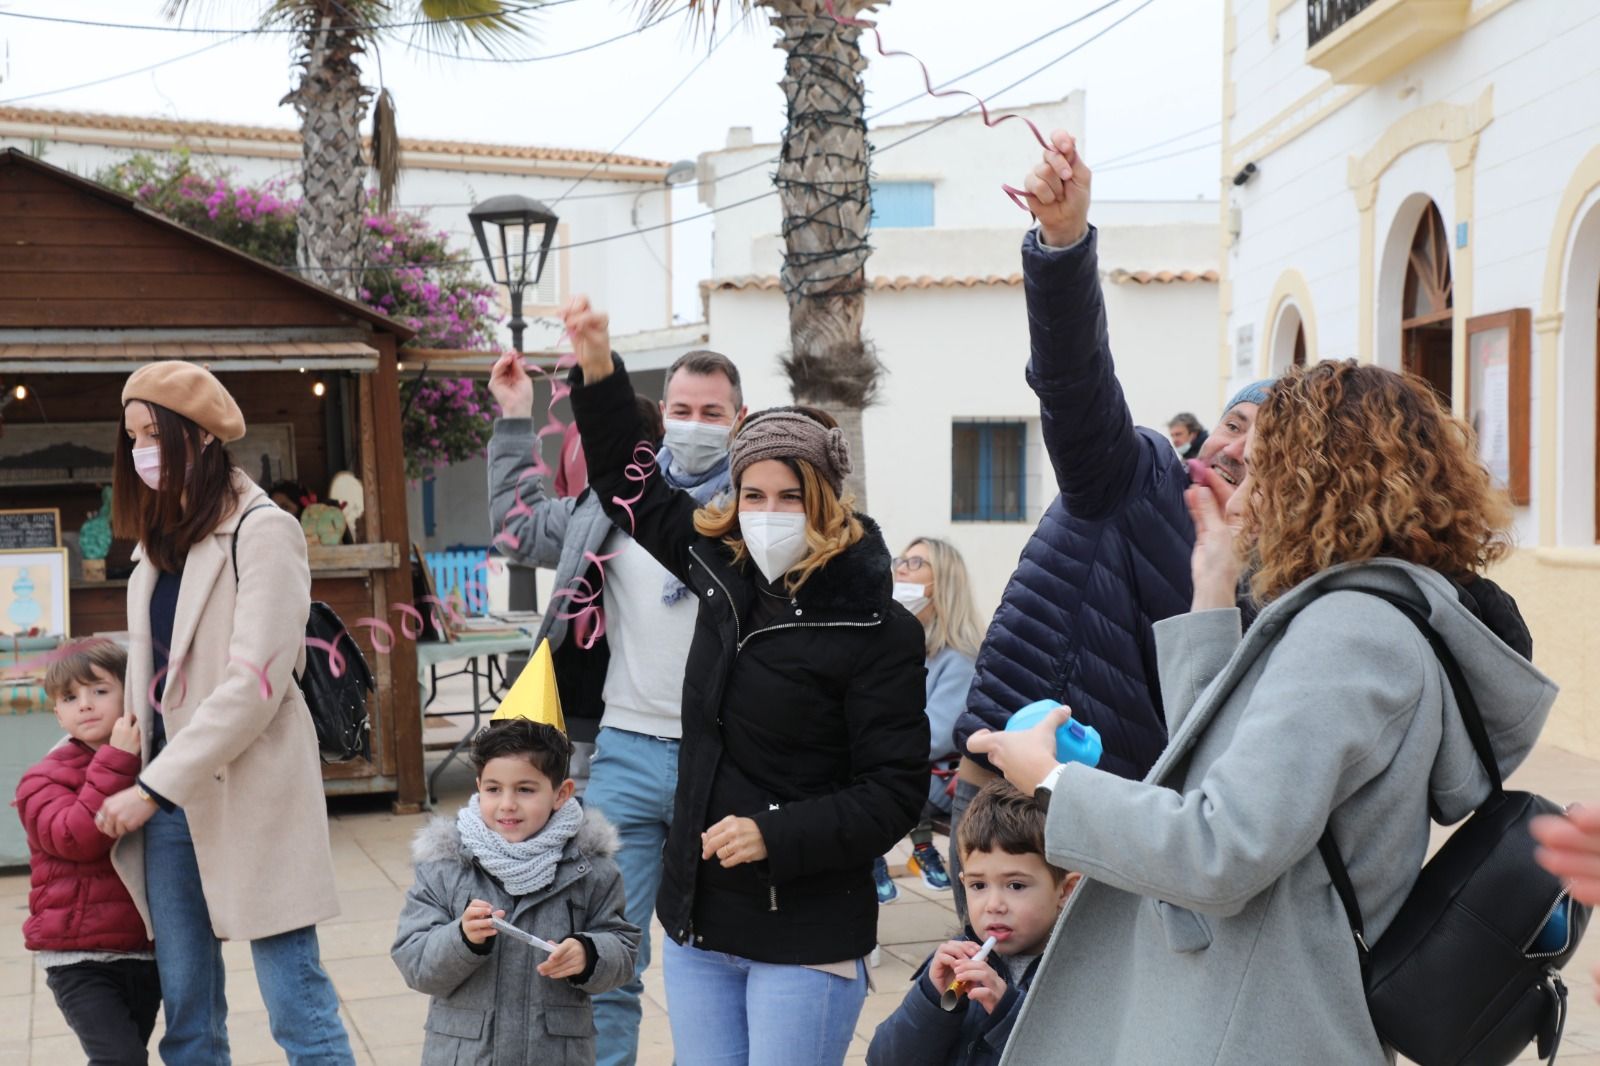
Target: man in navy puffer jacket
x,y
1111,555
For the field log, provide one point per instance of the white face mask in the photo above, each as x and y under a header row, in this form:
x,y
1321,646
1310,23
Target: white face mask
x,y
695,446
776,540
147,464
911,596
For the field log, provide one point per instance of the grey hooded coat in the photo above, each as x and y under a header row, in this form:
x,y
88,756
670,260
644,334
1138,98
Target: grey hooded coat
x,y
493,1009
1207,929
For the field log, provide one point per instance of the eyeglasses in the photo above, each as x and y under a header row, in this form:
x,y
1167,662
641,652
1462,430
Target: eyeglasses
x,y
910,563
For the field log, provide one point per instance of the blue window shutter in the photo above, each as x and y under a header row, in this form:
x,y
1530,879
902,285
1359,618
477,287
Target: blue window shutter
x,y
902,204
988,475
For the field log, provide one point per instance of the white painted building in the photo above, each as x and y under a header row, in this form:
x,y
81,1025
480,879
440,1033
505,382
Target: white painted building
x,y
598,198
1410,168
946,313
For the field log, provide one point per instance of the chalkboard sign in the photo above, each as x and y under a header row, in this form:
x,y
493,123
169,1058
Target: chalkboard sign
x,y
30,529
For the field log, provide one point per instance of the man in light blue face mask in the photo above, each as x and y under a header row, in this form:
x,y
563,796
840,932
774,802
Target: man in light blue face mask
x,y
649,621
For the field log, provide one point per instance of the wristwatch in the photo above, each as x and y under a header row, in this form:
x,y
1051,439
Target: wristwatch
x,y
1046,788
143,793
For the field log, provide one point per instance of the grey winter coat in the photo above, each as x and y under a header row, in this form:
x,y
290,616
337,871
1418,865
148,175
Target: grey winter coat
x,y
1207,930
558,531
493,1009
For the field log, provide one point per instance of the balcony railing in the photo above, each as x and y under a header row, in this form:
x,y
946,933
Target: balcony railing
x,y
1325,16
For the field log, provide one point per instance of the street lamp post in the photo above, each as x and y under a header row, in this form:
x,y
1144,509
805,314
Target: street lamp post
x,y
514,234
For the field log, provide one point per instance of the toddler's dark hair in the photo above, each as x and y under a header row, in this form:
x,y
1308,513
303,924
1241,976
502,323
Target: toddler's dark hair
x,y
545,746
77,661
1003,819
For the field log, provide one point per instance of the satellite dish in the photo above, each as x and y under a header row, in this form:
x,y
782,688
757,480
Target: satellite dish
x,y
346,492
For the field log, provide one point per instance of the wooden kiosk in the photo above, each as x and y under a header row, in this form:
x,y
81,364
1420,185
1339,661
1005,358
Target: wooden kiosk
x,y
91,286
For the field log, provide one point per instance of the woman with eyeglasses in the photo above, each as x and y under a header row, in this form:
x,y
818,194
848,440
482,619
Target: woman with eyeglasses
x,y
930,581
804,751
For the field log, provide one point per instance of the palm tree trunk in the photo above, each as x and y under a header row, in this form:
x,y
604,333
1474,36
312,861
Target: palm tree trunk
x,y
822,179
332,103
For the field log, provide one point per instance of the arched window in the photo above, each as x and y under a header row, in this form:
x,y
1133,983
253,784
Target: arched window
x,y
1428,306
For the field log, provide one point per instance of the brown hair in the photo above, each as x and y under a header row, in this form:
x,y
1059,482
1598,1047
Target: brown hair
x,y
160,519
650,420
543,745
74,665
705,361
1352,462
831,522
1003,819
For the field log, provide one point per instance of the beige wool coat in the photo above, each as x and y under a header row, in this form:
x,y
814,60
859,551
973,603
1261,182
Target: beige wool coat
x,y
241,755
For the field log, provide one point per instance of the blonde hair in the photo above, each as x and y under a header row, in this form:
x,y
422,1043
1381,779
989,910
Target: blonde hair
x,y
831,523
1353,462
955,616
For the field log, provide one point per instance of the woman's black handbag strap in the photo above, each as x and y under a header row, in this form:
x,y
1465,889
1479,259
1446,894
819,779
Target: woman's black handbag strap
x,y
1470,716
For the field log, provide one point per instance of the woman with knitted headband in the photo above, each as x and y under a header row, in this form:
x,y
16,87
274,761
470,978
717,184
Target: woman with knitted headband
x,y
804,753
225,834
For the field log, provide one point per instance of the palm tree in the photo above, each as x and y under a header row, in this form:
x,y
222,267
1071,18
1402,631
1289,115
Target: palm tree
x,y
823,177
332,103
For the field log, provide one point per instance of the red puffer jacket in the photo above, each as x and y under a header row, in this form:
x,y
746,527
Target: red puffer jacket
x,y
77,902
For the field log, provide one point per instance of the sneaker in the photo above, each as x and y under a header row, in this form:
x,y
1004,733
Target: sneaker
x,y
925,860
888,891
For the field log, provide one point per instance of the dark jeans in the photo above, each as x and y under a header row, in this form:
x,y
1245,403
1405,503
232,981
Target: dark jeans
x,y
111,1006
965,793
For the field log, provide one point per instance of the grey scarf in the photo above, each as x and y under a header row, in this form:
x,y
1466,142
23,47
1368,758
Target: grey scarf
x,y
525,867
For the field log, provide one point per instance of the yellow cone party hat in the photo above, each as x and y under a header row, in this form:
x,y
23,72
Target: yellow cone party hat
x,y
534,696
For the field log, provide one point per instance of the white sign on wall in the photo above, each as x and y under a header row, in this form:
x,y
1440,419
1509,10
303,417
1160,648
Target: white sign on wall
x,y
1244,350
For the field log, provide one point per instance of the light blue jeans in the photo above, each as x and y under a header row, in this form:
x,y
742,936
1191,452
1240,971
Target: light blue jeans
x,y
729,1011
632,781
302,1006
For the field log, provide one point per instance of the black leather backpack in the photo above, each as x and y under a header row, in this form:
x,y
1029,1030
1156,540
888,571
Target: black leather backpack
x,y
1467,974
338,699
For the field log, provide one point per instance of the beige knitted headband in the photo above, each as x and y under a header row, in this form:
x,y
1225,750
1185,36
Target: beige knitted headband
x,y
787,433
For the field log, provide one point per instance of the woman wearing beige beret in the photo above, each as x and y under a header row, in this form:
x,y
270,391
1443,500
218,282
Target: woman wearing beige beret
x,y
234,841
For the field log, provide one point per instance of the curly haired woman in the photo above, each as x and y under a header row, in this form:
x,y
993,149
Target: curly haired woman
x,y
1207,929
805,748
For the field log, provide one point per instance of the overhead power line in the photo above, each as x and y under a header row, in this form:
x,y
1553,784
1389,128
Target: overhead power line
x,y
125,74
463,260
871,116
264,30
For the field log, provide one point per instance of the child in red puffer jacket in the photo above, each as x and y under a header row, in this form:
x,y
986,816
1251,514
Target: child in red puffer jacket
x,y
90,938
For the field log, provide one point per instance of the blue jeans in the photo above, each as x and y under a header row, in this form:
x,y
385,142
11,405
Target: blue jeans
x,y
632,781
730,1011
302,1007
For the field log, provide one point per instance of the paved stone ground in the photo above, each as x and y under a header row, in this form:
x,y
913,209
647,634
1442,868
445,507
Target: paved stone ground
x,y
385,1018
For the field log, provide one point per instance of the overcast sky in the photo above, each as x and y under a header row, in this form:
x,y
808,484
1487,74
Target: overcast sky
x,y
1149,80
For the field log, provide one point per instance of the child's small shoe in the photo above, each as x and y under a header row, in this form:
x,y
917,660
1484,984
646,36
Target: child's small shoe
x,y
888,891
925,860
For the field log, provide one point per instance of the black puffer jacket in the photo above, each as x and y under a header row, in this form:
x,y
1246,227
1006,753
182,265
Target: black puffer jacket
x,y
804,714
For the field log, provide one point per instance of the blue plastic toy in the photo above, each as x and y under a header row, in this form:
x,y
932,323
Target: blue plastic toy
x,y
1075,742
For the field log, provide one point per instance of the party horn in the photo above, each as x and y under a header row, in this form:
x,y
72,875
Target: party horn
x,y
958,989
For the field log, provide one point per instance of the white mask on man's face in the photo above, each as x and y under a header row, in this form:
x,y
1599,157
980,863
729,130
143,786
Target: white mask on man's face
x,y
776,540
695,446
912,596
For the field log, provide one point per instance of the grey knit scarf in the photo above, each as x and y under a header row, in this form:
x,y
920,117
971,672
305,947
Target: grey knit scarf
x,y
525,867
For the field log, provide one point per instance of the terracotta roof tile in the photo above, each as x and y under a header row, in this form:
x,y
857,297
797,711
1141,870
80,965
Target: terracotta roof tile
x,y
281,135
770,282
1158,277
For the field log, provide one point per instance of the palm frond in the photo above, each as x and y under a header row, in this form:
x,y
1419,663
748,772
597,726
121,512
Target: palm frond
x,y
702,13
492,25
385,150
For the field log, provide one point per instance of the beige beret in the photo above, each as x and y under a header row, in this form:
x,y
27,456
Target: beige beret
x,y
191,391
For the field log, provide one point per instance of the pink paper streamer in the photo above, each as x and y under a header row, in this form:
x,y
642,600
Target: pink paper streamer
x,y
1018,197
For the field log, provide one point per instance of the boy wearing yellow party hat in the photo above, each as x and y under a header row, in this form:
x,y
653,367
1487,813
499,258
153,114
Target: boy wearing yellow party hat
x,y
515,918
